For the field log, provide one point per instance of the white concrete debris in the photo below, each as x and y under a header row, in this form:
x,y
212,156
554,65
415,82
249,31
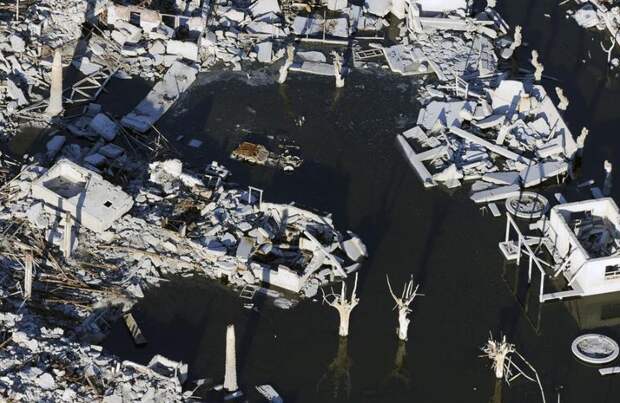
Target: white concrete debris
x,y
337,27
586,16
581,242
515,138
237,236
188,50
38,361
265,52
441,6
92,201
177,79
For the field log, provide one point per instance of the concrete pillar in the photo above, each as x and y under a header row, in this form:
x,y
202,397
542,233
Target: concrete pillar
x,y
67,241
230,376
290,54
338,71
28,276
55,101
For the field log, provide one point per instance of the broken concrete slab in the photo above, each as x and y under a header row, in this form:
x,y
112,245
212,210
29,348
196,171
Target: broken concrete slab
x,y
502,178
264,52
418,166
186,49
537,173
504,152
104,126
91,200
494,194
177,79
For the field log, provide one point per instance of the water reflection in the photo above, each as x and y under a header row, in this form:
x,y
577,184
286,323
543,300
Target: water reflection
x,y
400,374
595,311
496,397
337,379
589,312
525,292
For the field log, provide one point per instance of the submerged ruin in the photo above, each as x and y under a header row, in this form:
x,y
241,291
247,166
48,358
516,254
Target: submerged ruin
x,y
109,209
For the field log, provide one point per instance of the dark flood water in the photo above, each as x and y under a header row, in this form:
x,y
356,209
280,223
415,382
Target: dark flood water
x,y
353,170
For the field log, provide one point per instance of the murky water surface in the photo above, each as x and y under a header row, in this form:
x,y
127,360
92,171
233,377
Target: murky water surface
x,y
353,170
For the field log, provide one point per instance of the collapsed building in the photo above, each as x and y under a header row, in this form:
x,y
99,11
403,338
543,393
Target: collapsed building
x,y
505,139
87,236
77,245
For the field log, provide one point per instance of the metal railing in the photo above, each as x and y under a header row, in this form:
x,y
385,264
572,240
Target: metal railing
x,y
523,245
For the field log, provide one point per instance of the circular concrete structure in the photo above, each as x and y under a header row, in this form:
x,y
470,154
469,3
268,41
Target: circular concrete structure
x,y
528,205
595,348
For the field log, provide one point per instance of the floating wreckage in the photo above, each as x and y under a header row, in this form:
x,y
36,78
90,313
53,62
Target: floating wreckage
x,y
476,124
259,155
595,348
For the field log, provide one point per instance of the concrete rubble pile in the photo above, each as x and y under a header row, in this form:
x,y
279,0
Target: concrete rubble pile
x,y
506,138
236,236
450,46
147,42
179,224
237,33
25,46
92,261
603,15
502,134
39,362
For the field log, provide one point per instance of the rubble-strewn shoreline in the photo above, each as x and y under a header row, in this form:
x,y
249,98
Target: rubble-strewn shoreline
x,y
106,210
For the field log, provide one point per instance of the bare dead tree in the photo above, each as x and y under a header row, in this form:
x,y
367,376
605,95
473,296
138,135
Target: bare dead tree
x,y
402,304
343,305
501,353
